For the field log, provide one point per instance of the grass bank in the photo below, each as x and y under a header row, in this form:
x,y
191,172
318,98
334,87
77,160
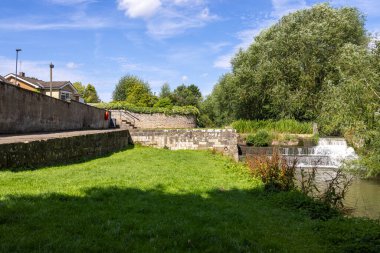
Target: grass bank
x,y
149,200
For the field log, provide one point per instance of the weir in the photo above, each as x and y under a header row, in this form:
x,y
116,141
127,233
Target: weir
x,y
329,153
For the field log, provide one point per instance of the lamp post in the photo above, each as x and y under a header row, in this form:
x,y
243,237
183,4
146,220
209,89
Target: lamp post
x,y
17,50
51,79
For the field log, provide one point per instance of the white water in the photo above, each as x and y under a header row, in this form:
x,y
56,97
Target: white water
x,y
329,153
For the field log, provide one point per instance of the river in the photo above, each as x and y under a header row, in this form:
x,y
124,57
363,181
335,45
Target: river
x,y
363,196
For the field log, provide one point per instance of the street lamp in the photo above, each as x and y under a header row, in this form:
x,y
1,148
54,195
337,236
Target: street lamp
x,y
17,50
51,79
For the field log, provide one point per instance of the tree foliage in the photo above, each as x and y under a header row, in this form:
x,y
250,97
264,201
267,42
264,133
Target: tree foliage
x,y
135,91
288,66
88,93
165,91
125,84
187,95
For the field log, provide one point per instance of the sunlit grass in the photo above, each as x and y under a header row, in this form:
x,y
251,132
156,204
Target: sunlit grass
x,y
150,200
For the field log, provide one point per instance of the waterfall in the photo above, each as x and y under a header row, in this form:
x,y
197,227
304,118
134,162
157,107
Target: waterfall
x,y
329,153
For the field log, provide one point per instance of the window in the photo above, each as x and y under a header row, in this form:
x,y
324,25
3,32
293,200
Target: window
x,y
65,95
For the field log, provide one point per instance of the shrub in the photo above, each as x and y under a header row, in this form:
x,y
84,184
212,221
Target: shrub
x,y
164,102
181,110
261,139
275,172
281,126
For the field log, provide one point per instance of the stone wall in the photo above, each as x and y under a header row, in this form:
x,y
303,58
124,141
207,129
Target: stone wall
x,y
222,140
155,120
23,111
25,155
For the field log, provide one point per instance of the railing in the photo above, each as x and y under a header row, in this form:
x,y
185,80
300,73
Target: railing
x,y
128,117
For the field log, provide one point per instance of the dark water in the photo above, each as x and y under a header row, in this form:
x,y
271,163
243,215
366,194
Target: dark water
x,y
364,197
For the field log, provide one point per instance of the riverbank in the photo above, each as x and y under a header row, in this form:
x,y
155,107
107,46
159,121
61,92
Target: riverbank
x,y
152,200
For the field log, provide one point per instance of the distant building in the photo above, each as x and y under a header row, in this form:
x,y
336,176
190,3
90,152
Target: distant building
x,y
60,89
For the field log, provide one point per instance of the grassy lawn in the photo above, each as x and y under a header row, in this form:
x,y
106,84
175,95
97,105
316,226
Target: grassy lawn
x,y
150,200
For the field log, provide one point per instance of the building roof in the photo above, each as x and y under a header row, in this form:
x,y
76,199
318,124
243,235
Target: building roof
x,y
56,85
2,79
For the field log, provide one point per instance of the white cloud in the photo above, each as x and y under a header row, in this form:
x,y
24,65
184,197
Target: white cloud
x,y
246,37
139,8
72,65
223,61
184,78
283,7
368,7
166,18
79,22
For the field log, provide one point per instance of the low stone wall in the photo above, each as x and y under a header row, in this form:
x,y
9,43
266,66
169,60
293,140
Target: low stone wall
x,y
23,111
156,120
25,155
223,140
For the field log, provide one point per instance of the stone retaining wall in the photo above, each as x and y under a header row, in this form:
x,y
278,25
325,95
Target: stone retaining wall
x,y
25,155
223,140
156,120
23,111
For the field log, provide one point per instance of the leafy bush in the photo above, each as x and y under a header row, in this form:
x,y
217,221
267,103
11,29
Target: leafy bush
x,y
175,110
282,126
275,172
164,102
261,139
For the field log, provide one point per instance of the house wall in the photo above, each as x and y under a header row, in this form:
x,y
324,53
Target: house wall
x,y
55,94
23,111
22,84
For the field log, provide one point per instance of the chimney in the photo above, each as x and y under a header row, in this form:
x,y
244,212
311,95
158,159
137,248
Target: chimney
x,y
21,74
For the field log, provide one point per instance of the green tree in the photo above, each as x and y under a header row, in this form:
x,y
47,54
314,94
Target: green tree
x,y
287,68
164,102
140,95
187,95
80,88
90,95
165,91
125,84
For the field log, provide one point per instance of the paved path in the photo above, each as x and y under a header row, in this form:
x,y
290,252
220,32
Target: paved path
x,y
5,139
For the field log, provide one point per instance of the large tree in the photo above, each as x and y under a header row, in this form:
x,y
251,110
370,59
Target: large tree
x,y
288,67
88,93
187,95
125,84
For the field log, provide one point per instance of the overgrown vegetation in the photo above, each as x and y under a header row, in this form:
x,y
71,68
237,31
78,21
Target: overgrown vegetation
x,y
275,171
260,139
150,200
280,126
173,110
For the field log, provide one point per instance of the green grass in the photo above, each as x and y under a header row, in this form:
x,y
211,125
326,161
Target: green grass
x,y
150,200
281,126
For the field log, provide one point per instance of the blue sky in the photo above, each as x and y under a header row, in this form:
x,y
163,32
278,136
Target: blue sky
x,y
174,41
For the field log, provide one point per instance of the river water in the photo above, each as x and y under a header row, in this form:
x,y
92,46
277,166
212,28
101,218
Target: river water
x,y
363,196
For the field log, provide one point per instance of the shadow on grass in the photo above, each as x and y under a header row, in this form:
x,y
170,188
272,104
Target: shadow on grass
x,y
133,220
63,162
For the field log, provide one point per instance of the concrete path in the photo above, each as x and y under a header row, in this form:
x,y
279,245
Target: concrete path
x,y
25,138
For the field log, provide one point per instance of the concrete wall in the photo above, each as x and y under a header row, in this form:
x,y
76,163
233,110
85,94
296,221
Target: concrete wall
x,y
157,120
24,155
23,111
223,140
